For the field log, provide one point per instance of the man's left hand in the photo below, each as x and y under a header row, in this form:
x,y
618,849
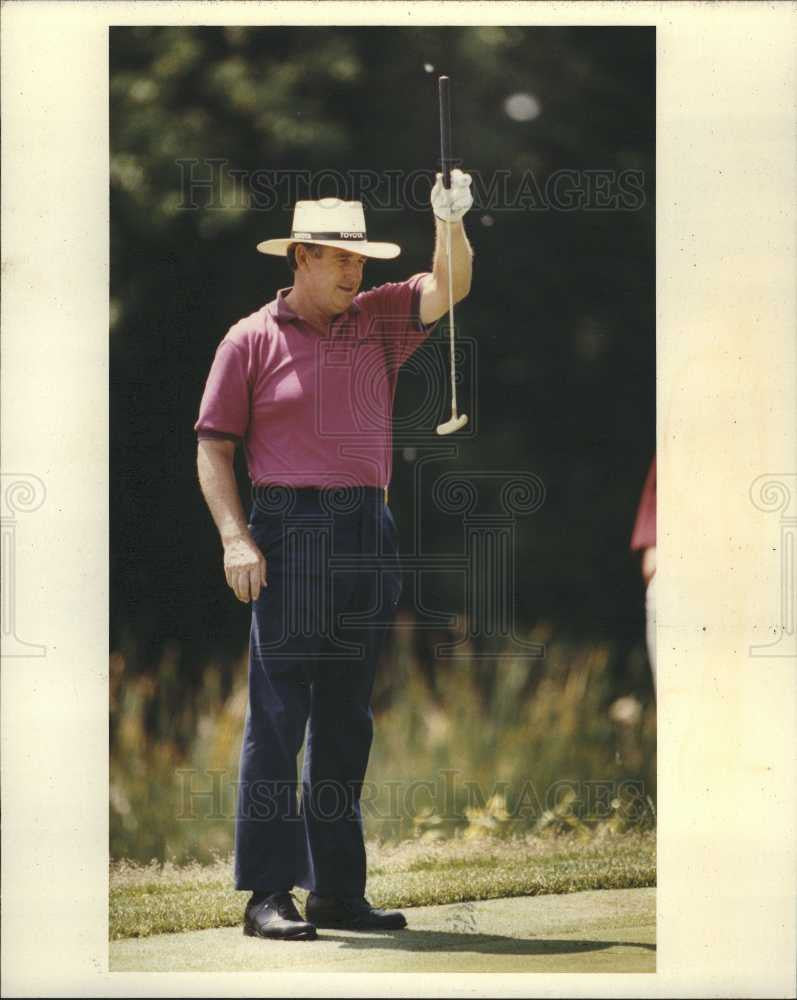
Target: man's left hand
x,y
450,204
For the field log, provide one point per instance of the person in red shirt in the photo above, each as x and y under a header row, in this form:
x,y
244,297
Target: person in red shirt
x,y
306,385
643,540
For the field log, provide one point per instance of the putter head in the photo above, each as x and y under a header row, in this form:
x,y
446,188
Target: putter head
x,y
454,424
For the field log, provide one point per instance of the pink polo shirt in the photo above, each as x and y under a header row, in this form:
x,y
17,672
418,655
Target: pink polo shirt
x,y
314,410
644,533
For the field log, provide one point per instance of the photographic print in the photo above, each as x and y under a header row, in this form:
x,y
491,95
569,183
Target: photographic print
x,y
383,519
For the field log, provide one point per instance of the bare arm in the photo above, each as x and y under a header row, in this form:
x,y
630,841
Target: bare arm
x,y
434,296
448,204
244,563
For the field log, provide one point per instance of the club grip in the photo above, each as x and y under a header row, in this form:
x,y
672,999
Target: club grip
x,y
445,131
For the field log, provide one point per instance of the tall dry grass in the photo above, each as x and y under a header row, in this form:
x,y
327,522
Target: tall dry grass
x,y
563,743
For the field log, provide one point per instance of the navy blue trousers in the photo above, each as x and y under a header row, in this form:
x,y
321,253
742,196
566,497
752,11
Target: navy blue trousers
x,y
318,628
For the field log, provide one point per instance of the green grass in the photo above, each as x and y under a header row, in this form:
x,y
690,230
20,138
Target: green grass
x,y
157,899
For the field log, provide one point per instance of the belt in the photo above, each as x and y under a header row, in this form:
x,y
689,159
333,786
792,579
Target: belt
x,y
382,490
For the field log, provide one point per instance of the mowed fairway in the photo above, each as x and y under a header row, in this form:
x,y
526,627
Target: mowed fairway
x,y
609,930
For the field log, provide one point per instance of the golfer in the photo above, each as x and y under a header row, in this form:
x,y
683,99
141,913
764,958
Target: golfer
x,y
306,384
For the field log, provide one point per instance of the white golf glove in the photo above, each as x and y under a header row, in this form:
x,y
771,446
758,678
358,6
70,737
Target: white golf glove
x,y
452,203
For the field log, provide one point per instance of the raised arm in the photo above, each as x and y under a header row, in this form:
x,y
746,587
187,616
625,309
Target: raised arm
x,y
450,205
244,563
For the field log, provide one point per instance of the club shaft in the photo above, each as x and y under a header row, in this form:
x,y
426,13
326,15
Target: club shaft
x,y
445,168
451,323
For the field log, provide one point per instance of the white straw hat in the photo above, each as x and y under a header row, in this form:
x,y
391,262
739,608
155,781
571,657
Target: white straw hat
x,y
330,222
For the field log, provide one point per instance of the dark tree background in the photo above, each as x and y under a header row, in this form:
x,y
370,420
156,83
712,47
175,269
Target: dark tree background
x,y
562,305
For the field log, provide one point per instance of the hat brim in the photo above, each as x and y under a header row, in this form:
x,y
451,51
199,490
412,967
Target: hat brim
x,y
378,251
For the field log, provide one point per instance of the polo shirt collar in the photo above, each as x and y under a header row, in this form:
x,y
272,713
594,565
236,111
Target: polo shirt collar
x,y
283,312
281,308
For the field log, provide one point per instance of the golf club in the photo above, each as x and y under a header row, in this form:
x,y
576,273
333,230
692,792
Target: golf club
x,y
456,422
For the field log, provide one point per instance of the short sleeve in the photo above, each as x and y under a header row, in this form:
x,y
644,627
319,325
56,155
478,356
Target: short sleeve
x,y
396,310
224,410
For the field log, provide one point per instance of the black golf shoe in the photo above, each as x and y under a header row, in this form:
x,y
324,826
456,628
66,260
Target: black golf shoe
x,y
275,916
353,914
